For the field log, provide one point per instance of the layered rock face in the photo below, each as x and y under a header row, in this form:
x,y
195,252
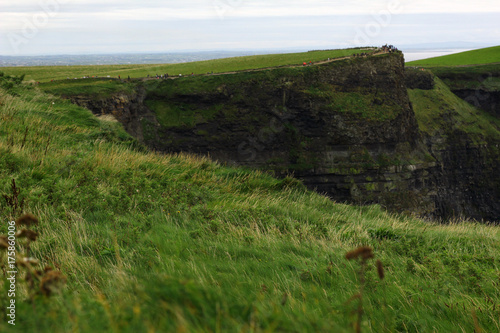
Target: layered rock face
x,y
300,115
128,109
468,182
418,78
345,128
478,86
481,98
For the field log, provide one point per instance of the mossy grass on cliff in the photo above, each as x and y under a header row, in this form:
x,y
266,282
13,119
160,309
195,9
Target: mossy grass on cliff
x,y
164,243
48,73
440,112
485,77
475,57
182,102
361,104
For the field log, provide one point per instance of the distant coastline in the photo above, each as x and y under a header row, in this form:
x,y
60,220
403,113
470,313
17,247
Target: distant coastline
x,y
165,58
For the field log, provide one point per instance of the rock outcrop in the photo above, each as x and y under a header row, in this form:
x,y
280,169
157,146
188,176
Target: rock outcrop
x,y
419,78
478,85
484,99
128,109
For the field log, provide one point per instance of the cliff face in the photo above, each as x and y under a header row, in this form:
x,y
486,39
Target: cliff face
x,y
418,78
128,109
478,85
252,117
469,181
482,98
345,128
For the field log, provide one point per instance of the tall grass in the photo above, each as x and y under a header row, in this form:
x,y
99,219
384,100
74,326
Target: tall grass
x,y
161,243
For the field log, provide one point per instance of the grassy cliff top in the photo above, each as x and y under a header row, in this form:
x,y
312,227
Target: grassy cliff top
x,y
98,89
488,55
48,73
151,242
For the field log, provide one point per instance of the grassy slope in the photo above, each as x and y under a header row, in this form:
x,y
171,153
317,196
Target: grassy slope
x,y
440,109
47,73
474,57
177,243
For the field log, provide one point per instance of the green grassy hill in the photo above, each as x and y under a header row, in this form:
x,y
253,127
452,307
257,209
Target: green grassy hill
x,y
439,109
161,243
474,57
48,73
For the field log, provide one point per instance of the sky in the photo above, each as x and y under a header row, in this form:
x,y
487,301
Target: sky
x,y
50,27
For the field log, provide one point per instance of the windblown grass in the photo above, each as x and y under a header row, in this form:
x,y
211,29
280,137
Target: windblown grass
x,y
162,243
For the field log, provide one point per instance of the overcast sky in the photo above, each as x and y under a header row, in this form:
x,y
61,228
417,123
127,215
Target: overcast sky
x,y
42,27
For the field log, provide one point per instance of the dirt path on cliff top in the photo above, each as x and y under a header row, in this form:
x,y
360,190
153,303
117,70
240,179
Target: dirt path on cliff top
x,y
268,68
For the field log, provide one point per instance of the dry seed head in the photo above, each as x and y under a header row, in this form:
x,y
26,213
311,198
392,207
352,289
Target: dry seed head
x,y
51,282
363,252
31,261
380,270
4,244
29,278
27,262
25,233
27,220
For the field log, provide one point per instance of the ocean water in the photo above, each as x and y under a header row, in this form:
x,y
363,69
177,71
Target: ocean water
x,y
413,55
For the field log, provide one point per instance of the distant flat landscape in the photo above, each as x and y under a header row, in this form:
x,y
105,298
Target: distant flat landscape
x,y
224,64
412,53
117,59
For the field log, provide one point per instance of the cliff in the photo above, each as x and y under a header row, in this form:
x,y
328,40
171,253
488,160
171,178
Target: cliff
x,y
465,140
477,85
345,128
127,108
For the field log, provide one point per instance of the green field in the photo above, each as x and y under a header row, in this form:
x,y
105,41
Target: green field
x,y
475,57
175,243
48,73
